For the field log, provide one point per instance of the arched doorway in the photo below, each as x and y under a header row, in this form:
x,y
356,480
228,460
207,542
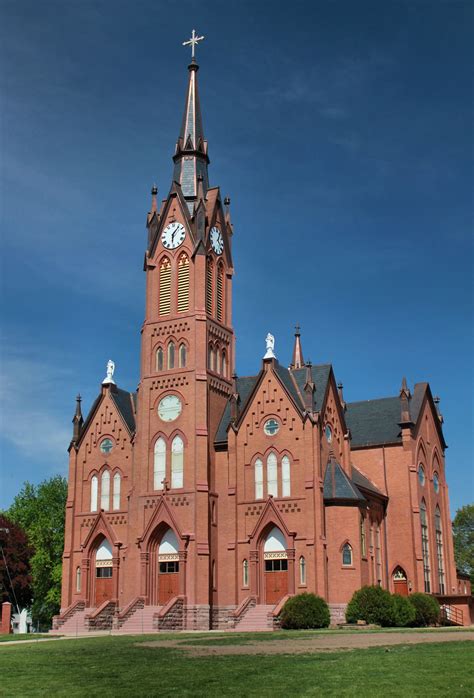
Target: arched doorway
x,y
168,567
276,566
400,582
104,590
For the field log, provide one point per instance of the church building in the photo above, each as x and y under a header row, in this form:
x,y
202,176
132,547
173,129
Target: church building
x,y
206,499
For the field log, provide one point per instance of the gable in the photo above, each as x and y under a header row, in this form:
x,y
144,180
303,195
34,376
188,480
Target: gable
x,y
112,414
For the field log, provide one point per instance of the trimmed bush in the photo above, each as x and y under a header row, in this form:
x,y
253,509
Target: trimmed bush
x,y
403,612
305,611
427,609
372,604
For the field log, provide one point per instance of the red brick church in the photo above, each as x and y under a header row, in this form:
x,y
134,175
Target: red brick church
x,y
206,499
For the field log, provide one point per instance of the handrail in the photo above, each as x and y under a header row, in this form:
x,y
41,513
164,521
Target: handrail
x,y
277,610
121,614
70,609
237,612
452,614
97,611
164,610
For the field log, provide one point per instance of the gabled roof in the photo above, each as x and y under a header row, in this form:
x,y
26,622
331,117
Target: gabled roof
x,y
374,421
320,376
125,403
338,487
245,386
363,482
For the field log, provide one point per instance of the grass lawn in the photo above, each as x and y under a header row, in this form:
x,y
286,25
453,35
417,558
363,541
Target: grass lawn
x,y
18,637
118,666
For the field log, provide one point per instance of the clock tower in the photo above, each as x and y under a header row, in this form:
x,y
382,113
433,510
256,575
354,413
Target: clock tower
x,y
187,361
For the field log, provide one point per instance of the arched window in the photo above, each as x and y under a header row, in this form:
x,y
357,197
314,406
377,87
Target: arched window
x,y
103,560
363,545
78,579
218,361
105,491
245,573
159,467
347,555
165,286
439,550
272,475
159,359
177,462
183,283
182,355
436,483
117,491
258,479
421,475
171,355
224,364
94,492
220,293
285,477
210,357
425,546
302,570
209,279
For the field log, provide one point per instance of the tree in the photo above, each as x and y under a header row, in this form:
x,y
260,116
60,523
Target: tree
x,y
15,577
463,531
40,511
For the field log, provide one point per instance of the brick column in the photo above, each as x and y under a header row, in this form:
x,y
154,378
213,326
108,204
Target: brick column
x,y
6,626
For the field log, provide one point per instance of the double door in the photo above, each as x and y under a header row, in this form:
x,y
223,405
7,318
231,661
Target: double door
x,y
276,580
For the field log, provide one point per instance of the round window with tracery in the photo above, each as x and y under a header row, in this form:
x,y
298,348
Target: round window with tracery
x,y
271,427
106,446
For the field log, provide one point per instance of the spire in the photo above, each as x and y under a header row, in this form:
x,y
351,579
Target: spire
x,y
297,361
341,395
190,158
77,421
309,388
405,402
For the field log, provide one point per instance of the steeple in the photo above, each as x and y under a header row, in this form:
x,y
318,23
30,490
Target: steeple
x,y
77,421
297,360
190,158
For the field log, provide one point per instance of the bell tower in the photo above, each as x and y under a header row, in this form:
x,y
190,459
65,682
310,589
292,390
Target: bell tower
x,y
187,347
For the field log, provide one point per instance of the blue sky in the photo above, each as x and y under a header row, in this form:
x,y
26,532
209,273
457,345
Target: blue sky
x,y
340,130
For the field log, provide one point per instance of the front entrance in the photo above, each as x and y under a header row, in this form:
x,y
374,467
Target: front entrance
x,y
400,583
276,566
168,581
104,589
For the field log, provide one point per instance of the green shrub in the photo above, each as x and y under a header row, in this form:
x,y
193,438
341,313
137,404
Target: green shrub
x,y
403,612
305,611
372,604
427,609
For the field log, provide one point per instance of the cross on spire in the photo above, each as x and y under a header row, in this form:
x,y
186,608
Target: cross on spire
x,y
193,41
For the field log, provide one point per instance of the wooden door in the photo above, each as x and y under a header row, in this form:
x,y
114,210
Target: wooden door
x,y
276,580
103,589
400,587
168,582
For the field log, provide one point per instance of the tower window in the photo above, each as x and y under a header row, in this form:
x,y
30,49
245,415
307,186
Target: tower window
x,y
210,357
183,283
258,479
220,293
209,280
224,363
171,355
165,286
159,468
159,359
182,355
177,462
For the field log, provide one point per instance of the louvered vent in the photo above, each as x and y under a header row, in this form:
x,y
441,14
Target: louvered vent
x,y
183,283
165,286
220,292
209,277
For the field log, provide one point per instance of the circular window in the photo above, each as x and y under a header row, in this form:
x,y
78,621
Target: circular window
x,y
421,475
271,427
436,483
169,408
106,445
328,432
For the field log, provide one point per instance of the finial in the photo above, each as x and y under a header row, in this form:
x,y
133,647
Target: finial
x,y
154,192
404,390
341,396
193,41
270,345
297,360
110,372
227,201
297,330
436,399
77,421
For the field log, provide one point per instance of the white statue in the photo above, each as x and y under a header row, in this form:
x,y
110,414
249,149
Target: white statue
x,y
270,344
110,372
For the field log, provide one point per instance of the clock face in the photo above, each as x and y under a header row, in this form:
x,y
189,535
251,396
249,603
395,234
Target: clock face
x,y
169,408
217,241
173,235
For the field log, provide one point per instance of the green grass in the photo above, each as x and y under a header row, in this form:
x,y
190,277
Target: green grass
x,y
119,666
17,637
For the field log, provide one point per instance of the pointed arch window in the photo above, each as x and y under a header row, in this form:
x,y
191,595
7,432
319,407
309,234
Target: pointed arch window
x,y
209,282
425,546
105,491
224,363
78,579
218,361
183,283
165,286
363,543
117,485
171,355
182,355
272,475
245,573
347,555
302,570
285,477
220,293
94,492
159,467
258,479
177,462
210,357
439,550
159,359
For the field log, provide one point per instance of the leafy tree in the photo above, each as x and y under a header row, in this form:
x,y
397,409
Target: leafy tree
x,y
15,577
463,530
40,511
305,611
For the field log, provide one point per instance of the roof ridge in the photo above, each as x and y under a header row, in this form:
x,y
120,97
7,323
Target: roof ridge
x,y
373,399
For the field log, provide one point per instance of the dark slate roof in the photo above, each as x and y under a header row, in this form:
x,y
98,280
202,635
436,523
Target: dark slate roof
x,y
320,379
245,385
416,400
339,487
285,376
361,481
125,403
374,421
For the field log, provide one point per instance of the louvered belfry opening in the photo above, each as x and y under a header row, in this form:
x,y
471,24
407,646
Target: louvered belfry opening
x,y
165,286
183,283
220,293
209,294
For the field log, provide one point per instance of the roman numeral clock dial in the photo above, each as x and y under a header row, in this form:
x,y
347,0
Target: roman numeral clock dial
x,y
173,235
217,241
